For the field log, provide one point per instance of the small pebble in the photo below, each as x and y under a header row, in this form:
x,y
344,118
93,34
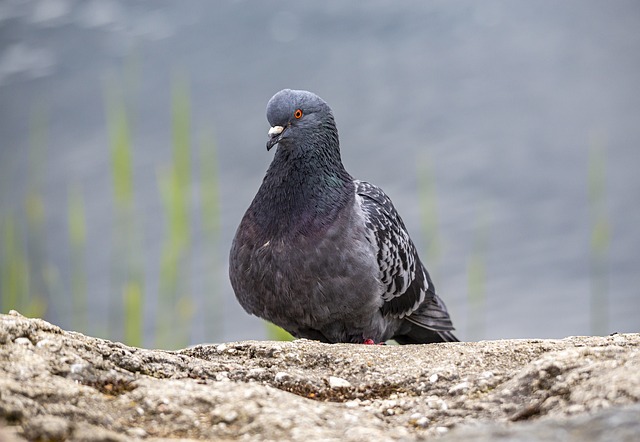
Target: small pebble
x,y
78,368
137,432
291,356
44,343
459,388
23,341
256,372
281,376
619,339
230,417
284,424
335,382
575,409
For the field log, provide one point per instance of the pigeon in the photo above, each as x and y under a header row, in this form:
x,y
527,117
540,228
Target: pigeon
x,y
322,255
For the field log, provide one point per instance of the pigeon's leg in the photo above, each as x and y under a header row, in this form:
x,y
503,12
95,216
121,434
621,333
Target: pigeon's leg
x,y
372,342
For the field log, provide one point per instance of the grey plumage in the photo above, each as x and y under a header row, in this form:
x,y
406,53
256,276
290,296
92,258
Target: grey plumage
x,y
325,256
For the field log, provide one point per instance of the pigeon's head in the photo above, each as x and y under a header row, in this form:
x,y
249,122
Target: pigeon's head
x,y
298,118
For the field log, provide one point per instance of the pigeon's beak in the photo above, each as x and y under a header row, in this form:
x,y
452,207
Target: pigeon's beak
x,y
274,136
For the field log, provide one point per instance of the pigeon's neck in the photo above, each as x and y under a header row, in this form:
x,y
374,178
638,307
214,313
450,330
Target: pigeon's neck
x,y
302,192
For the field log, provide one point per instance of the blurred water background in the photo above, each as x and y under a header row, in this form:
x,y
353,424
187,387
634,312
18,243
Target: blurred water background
x,y
133,139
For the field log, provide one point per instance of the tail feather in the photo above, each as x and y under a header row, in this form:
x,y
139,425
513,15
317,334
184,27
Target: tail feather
x,y
447,336
419,335
429,323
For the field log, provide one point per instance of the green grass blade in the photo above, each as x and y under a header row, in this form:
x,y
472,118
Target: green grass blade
x,y
126,268
600,238
429,211
276,333
210,212
133,300
120,146
477,280
175,307
15,269
78,238
209,190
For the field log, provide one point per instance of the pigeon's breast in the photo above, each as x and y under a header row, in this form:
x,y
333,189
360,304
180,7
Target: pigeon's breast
x,y
310,280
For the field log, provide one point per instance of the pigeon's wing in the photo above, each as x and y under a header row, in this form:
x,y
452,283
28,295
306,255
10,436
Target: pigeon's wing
x,y
408,291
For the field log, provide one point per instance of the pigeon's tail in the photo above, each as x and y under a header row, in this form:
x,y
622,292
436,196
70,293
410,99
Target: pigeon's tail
x,y
447,336
419,335
429,323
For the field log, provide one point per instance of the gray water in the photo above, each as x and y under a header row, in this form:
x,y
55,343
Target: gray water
x,y
502,99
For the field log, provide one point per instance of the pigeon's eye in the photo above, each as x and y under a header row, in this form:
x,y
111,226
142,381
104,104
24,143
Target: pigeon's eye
x,y
298,114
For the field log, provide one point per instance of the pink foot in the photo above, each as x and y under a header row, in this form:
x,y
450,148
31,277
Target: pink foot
x,y
372,342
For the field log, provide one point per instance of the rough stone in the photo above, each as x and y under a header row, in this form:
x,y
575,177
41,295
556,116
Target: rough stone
x,y
58,385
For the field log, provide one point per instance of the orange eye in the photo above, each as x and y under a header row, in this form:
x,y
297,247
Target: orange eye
x,y
298,113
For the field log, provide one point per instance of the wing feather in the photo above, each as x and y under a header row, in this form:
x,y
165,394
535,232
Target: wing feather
x,y
409,292
404,279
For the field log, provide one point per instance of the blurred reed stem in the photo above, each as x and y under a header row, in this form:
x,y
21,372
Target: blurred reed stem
x,y
40,294
125,310
600,238
14,273
477,280
210,204
23,266
78,239
275,333
428,200
175,307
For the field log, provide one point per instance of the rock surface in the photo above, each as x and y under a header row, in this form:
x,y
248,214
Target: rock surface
x,y
57,385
